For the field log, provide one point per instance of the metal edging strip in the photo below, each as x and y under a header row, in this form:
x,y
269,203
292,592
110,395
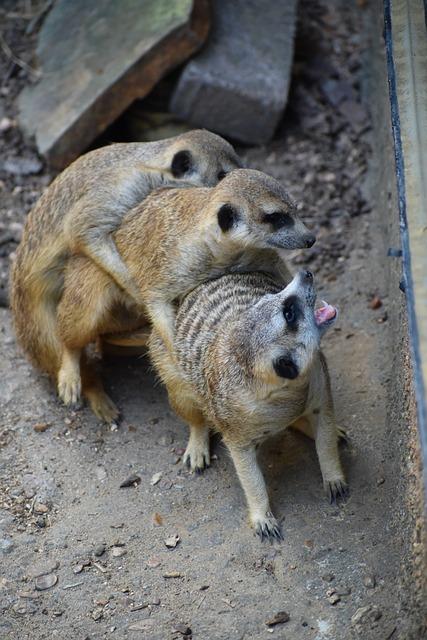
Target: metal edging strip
x,y
406,255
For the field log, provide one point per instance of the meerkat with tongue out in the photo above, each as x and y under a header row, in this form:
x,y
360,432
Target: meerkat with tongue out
x,y
250,365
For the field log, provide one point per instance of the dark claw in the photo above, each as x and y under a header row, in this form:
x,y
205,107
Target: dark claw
x,y
337,490
278,533
265,532
343,438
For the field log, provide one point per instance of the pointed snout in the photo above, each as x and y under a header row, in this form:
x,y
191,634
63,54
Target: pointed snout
x,y
309,240
306,278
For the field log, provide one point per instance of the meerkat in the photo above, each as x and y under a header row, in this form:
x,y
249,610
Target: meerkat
x,y
247,363
85,204
171,242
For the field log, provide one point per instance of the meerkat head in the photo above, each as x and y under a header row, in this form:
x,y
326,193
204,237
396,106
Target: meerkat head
x,y
253,209
201,158
286,330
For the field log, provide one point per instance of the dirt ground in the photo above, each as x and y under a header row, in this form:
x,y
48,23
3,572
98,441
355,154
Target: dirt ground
x,y
101,548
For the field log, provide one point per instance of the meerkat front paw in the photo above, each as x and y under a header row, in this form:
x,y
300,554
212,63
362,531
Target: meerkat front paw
x,y
197,456
336,490
267,527
69,388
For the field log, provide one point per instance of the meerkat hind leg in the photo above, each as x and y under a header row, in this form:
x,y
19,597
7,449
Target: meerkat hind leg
x,y
253,483
69,377
326,438
197,455
100,403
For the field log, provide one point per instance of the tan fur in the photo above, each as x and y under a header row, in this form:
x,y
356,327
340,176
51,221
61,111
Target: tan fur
x,y
80,210
169,243
230,337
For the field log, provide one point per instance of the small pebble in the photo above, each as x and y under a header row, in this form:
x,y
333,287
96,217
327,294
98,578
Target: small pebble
x,y
278,618
132,481
118,552
328,577
157,520
369,582
334,598
172,574
97,614
39,507
172,541
153,563
99,550
156,478
39,427
78,568
45,582
101,473
375,613
138,607
183,629
375,303
360,613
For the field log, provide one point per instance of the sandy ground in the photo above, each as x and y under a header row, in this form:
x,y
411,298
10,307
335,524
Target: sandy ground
x,y
101,548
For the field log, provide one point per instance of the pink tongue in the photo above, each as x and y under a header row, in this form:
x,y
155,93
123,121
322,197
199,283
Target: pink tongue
x,y
328,312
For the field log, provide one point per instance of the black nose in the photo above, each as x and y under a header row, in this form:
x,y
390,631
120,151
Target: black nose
x,y
308,275
310,240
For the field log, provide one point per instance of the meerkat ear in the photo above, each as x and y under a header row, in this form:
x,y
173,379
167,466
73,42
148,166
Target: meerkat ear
x,y
227,217
285,368
181,164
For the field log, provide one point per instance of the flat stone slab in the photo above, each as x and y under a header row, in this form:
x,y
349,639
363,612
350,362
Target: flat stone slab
x,y
96,58
238,84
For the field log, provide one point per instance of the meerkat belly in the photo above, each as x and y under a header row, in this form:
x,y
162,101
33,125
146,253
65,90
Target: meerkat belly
x,y
264,418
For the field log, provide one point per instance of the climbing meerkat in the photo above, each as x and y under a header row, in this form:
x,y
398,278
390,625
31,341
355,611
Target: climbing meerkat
x,y
247,362
171,242
85,204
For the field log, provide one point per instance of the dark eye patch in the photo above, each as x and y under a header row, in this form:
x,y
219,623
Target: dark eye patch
x,y
227,217
221,175
292,312
181,164
278,219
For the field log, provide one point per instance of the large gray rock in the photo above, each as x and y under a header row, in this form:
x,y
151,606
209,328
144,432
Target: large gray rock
x,y
238,84
96,58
